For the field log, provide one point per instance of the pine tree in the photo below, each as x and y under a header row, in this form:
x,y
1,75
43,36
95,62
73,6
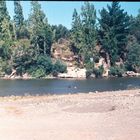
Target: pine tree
x,y
60,31
3,11
133,57
41,33
88,14
135,26
18,24
76,33
6,33
114,29
4,18
18,18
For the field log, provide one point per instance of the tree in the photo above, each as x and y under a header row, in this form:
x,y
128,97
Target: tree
x,y
19,24
3,11
133,56
23,59
41,33
60,31
6,32
88,14
18,18
4,21
135,26
76,33
45,63
5,50
113,31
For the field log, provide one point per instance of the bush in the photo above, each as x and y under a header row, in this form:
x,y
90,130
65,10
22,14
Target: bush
x,y
116,71
96,59
88,73
89,65
38,73
5,51
98,72
20,70
133,58
45,63
5,68
59,67
23,59
31,69
8,70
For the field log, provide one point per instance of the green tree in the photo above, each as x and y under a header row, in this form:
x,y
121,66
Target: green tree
x,y
135,26
19,24
60,31
41,33
114,29
45,62
23,59
5,51
18,18
6,32
4,21
76,33
59,67
133,57
88,14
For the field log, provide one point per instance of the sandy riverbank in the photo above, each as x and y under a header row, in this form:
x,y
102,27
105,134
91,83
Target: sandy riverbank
x,y
100,116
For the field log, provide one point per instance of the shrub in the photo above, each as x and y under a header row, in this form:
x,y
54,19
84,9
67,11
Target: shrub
x,y
98,72
5,51
8,70
133,58
20,70
45,63
89,65
96,59
59,67
20,64
116,71
5,68
31,69
38,73
88,73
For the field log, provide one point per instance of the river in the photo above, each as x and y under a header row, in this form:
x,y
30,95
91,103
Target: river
x,y
65,86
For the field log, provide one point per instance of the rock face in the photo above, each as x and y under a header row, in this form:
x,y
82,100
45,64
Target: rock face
x,y
103,63
73,72
131,73
62,51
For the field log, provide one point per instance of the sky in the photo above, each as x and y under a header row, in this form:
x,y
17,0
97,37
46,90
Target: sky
x,y
61,12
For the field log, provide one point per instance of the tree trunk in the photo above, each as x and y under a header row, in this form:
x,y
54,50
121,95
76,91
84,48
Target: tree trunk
x,y
108,60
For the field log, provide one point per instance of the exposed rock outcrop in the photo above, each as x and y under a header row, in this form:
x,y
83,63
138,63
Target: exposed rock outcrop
x,y
73,72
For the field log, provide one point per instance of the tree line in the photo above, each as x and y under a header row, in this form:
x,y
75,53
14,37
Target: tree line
x,y
115,33
25,45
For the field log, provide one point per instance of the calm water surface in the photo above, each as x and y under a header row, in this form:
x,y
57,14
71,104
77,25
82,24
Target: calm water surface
x,y
64,86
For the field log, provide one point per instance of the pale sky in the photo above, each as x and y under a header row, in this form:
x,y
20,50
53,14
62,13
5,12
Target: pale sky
x,y
61,12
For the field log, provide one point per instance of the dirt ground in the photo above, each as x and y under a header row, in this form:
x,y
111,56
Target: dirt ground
x,y
93,116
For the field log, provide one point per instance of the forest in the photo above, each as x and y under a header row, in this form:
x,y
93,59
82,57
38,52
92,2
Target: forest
x,y
26,45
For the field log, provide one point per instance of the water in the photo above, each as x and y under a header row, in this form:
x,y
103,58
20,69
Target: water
x,y
65,86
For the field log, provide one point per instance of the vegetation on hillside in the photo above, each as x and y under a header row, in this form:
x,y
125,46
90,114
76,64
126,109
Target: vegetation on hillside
x,y
26,45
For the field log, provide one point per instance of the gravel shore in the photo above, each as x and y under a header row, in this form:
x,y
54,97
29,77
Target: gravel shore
x,y
94,116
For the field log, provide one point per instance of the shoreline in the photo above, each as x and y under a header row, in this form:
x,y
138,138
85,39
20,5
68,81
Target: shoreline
x,y
68,78
95,93
101,116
